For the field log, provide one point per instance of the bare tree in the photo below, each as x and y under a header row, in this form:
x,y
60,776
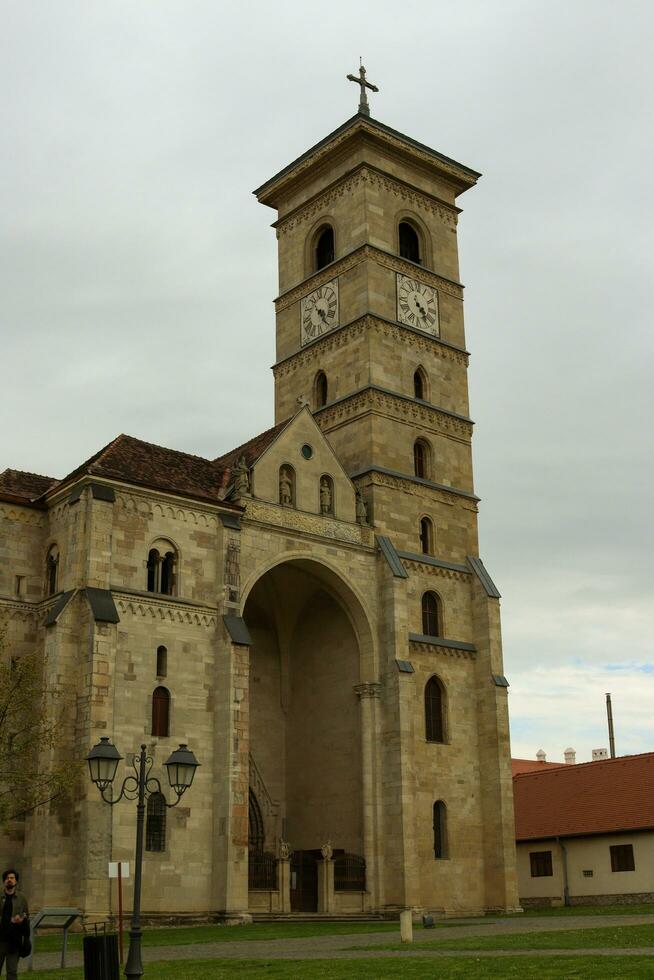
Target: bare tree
x,y
30,729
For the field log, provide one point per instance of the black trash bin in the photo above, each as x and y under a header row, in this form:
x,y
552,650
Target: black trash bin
x,y
101,956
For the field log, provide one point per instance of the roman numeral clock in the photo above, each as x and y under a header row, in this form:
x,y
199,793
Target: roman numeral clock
x,y
417,304
319,312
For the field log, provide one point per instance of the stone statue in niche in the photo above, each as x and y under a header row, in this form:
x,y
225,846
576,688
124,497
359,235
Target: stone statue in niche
x,y
285,487
241,478
326,504
327,851
361,509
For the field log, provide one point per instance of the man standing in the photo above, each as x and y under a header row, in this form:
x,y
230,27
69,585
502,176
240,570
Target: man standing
x,y
13,922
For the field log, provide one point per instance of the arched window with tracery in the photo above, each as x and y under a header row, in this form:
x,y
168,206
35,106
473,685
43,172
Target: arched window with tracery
x,y
155,823
320,389
162,661
324,247
162,568
256,828
434,710
161,712
421,458
426,536
420,384
52,569
431,614
440,830
409,240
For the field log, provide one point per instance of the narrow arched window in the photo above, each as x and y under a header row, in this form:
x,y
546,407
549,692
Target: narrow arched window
x,y
256,828
162,661
440,830
431,619
168,574
320,389
160,711
419,384
434,711
324,251
421,458
154,559
162,568
52,569
287,486
155,823
409,242
426,536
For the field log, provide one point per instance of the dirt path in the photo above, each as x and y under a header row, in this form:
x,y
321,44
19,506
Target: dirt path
x,y
340,947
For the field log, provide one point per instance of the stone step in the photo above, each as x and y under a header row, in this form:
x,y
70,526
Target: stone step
x,y
316,917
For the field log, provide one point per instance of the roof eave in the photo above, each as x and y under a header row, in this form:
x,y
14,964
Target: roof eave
x,y
457,172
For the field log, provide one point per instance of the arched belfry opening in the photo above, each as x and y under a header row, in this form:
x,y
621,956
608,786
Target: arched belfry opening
x,y
311,645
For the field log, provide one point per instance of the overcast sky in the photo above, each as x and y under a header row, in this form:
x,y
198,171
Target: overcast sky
x,y
137,273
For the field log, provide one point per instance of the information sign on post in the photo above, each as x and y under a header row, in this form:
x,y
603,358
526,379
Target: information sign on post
x,y
119,870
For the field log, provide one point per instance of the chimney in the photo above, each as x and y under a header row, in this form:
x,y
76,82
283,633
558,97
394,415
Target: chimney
x,y
600,754
540,755
570,757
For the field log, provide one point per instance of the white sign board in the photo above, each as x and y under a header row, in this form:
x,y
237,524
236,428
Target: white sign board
x,y
124,869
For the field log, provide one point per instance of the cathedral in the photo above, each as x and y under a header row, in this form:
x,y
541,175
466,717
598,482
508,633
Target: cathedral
x,y
308,612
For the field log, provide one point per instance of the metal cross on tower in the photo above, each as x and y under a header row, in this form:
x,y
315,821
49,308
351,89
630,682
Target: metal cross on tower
x,y
361,80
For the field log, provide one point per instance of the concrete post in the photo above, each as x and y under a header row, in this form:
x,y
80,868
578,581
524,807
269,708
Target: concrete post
x,y
406,926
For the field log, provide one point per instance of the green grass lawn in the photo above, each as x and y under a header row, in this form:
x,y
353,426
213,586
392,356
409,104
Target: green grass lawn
x,y
608,937
582,910
188,935
451,968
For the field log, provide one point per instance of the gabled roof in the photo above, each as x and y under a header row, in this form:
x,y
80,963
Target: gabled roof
x,y
251,449
21,485
600,797
532,765
134,461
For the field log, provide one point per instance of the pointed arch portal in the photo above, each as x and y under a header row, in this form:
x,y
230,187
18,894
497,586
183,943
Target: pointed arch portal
x,y
311,649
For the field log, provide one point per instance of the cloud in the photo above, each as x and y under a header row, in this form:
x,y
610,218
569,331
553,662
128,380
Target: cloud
x,y
137,271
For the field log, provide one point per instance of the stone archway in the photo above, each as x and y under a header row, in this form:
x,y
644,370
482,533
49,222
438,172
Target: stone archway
x,y
311,646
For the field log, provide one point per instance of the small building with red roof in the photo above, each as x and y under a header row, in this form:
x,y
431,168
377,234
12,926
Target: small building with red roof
x,y
585,833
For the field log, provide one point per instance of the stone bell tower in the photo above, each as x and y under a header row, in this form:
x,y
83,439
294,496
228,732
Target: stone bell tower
x,y
370,323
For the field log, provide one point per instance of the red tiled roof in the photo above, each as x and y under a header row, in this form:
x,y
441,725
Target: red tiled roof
x,y
591,798
18,483
134,461
253,448
143,463
532,765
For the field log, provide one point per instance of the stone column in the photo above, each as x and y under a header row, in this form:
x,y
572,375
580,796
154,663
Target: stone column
x,y
326,881
369,694
231,763
284,883
500,875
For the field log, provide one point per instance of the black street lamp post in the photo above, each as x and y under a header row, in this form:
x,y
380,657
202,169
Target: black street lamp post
x,y
103,762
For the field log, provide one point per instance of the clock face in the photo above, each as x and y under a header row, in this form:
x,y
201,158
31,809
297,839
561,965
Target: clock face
x,y
319,311
417,305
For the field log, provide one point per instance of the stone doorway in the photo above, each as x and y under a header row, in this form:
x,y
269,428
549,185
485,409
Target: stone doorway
x,y
304,881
